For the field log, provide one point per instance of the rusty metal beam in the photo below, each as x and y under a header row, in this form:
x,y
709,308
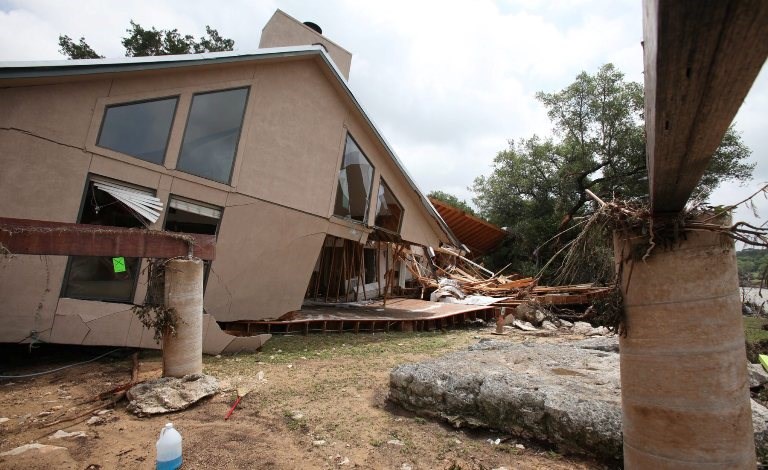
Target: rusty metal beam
x,y
37,237
701,58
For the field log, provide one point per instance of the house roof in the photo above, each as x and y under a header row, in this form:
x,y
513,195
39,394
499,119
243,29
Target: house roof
x,y
20,72
479,236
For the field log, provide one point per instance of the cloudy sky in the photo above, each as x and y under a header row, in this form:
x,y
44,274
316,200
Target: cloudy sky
x,y
448,82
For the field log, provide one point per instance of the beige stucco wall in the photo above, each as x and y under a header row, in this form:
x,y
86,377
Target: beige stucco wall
x,y
283,30
265,256
277,209
296,138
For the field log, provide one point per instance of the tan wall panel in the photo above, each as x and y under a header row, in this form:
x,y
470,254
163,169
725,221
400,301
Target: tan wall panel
x,y
126,172
29,291
204,76
39,179
198,192
59,112
282,30
264,259
296,139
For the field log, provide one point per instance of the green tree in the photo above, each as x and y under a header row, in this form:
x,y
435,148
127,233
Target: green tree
x,y
80,50
453,201
538,185
151,42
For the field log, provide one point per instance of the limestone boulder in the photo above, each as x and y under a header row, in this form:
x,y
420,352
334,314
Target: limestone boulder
x,y
566,394
170,394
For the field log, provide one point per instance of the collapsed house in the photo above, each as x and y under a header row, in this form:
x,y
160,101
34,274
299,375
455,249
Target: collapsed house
x,y
268,150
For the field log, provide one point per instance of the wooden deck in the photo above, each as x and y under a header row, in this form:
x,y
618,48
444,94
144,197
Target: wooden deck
x,y
398,315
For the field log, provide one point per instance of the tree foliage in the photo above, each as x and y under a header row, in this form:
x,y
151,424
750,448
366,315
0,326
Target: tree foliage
x,y
452,201
753,263
79,50
538,185
151,42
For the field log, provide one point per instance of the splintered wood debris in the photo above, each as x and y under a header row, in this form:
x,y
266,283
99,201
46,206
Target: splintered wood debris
x,y
452,271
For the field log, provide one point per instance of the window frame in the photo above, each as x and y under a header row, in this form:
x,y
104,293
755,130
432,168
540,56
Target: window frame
x,y
107,107
237,141
207,264
62,294
383,183
367,210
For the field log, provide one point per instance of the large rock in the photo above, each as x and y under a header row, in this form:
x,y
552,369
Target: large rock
x,y
582,328
170,394
566,394
757,375
531,313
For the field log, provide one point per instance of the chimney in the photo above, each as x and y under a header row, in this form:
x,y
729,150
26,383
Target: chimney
x,y
282,30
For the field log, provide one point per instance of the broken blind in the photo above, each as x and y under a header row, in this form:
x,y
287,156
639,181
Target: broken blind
x,y
143,203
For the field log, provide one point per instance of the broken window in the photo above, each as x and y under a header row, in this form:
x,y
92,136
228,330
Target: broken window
x,y
212,133
106,278
369,261
140,130
354,185
389,212
192,217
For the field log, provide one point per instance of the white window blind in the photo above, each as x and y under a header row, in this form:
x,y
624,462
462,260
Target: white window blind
x,y
141,202
195,208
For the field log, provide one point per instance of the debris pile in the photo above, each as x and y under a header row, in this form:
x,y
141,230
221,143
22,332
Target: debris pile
x,y
455,278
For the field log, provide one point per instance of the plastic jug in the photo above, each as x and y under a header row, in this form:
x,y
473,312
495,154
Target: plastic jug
x,y
169,448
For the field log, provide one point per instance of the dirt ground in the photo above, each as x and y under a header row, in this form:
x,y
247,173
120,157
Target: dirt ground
x,y
323,405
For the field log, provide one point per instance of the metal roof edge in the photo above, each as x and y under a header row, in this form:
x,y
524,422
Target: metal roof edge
x,y
54,68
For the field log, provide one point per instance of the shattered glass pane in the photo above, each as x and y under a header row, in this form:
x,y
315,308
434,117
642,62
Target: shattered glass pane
x,y
354,188
389,212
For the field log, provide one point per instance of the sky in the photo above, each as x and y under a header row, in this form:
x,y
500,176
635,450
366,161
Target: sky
x,y
449,83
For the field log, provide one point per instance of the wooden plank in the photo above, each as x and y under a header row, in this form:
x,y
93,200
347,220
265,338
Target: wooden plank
x,y
37,237
701,58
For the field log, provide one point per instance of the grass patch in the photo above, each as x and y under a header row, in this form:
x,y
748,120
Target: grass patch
x,y
753,329
288,349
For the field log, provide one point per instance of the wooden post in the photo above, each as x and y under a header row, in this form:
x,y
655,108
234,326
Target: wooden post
x,y
684,384
183,353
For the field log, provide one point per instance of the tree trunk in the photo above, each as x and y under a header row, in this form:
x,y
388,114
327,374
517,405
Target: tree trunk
x,y
685,396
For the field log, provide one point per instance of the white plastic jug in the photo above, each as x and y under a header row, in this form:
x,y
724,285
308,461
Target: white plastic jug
x,y
169,448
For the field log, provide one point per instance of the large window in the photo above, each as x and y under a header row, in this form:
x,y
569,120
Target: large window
x,y
102,277
389,212
139,129
354,186
212,133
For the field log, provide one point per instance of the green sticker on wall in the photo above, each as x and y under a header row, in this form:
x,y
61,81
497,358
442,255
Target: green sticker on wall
x,y
119,264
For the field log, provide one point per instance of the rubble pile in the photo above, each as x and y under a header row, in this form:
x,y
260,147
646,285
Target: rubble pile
x,y
455,278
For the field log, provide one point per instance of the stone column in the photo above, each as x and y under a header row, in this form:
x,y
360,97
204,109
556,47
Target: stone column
x,y
685,395
183,353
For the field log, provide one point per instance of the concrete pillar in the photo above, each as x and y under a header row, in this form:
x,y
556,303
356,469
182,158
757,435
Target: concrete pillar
x,y
183,353
685,395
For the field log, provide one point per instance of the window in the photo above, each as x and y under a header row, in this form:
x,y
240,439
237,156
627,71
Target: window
x,y
212,133
190,217
354,186
370,263
140,130
103,277
389,212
